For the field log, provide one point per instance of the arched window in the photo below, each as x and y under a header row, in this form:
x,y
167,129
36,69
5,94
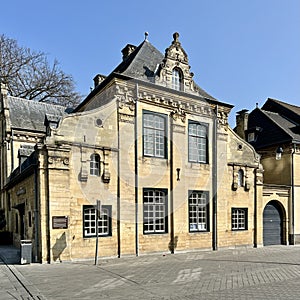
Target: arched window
x,y
177,79
240,177
95,165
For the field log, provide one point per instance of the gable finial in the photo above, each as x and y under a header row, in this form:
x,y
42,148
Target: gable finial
x,y
176,37
146,36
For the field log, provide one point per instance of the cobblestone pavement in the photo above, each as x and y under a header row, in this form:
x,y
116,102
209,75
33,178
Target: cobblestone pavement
x,y
242,273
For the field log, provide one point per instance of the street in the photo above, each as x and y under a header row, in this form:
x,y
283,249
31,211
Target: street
x,y
243,273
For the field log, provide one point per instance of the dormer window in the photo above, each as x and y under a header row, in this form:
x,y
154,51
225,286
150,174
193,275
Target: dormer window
x,y
177,79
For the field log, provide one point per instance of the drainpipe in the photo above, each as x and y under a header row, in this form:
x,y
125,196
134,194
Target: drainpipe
x,y
47,204
36,211
215,181
255,209
172,235
136,169
118,186
292,234
12,151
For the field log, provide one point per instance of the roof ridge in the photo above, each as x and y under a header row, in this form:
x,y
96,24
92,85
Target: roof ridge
x,y
283,103
35,102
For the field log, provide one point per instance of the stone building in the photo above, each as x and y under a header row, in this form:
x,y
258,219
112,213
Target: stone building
x,y
148,144
274,131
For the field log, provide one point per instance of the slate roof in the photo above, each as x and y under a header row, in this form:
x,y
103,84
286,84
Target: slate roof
x,y
30,115
142,64
279,122
288,110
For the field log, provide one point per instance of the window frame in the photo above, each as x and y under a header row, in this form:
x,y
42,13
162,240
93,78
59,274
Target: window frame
x,y
177,79
108,219
154,211
236,226
206,126
190,211
95,164
241,178
165,135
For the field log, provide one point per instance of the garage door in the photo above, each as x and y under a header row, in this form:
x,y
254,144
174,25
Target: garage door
x,y
272,231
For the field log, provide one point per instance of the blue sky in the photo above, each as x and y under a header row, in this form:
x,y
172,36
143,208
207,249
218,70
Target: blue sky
x,y
241,51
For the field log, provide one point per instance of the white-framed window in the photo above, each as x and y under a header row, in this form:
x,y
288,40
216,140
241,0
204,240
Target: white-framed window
x,y
155,211
198,211
240,177
95,165
89,221
198,142
239,218
177,79
154,134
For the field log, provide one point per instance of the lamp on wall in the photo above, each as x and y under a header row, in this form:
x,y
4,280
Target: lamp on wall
x,y
178,174
279,152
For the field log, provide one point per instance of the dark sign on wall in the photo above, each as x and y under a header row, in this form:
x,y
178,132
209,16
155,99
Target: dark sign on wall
x,y
60,222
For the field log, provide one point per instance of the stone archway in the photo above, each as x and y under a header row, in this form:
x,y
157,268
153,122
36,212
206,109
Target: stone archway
x,y
273,217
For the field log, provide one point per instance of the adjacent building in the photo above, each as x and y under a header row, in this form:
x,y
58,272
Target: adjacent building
x,y
149,146
274,132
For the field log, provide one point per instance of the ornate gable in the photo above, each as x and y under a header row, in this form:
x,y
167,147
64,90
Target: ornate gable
x,y
175,68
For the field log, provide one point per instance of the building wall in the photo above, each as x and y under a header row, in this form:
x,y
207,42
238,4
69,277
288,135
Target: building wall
x,y
112,126
297,194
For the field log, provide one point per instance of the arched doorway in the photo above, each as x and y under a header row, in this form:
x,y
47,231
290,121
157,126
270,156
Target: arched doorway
x,y
273,224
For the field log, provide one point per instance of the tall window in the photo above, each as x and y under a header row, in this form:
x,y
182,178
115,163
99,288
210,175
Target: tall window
x,y
177,79
154,134
89,221
198,211
95,165
239,218
198,142
155,211
240,177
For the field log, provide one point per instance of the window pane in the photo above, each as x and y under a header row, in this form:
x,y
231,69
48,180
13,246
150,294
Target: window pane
x,y
154,135
95,165
198,211
197,142
154,211
239,219
104,222
176,79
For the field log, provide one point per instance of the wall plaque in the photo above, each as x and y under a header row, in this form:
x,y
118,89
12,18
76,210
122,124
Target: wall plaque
x,y
60,222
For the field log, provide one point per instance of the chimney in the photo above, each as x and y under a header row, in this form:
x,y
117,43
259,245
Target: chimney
x,y
3,88
127,50
242,123
98,79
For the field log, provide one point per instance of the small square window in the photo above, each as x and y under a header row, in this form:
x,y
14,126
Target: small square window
x,y
239,218
89,221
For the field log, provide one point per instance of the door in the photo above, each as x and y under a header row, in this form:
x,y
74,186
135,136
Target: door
x,y
272,224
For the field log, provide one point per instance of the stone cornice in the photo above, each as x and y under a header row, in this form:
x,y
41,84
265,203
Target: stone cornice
x,y
179,105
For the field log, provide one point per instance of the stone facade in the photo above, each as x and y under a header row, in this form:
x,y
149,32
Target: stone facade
x,y
170,173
